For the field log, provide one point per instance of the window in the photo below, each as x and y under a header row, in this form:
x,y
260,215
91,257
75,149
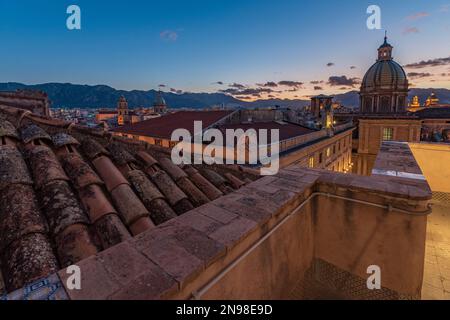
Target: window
x,y
334,149
158,142
311,162
328,152
320,157
388,134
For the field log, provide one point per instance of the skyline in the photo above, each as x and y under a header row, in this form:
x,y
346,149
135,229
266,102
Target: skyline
x,y
285,50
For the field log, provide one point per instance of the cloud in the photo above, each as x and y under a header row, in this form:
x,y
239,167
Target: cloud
x,y
330,64
162,86
169,35
352,67
219,83
316,82
445,8
176,91
287,83
410,30
429,63
271,96
244,97
247,91
318,88
237,86
418,75
417,16
269,84
342,81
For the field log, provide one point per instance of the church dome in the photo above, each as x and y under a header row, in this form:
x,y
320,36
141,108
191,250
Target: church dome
x,y
385,74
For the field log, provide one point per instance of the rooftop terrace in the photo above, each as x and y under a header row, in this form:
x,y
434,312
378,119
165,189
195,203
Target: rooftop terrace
x,y
300,234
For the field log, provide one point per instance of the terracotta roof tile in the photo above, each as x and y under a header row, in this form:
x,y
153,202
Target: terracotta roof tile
x,y
19,214
202,183
13,169
8,130
221,183
119,155
172,169
79,171
82,198
93,149
153,199
111,230
128,204
196,196
168,187
33,132
44,166
109,173
95,202
74,244
28,259
62,139
61,207
146,158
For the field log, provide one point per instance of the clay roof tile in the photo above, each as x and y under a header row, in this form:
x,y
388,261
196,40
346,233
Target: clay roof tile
x,y
13,169
61,207
32,132
172,169
146,158
92,148
79,171
8,130
19,214
44,166
119,155
168,187
62,139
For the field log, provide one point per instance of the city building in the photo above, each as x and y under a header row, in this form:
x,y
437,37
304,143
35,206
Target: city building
x,y
329,147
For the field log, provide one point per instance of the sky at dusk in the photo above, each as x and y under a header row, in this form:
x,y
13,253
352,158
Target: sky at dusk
x,y
249,48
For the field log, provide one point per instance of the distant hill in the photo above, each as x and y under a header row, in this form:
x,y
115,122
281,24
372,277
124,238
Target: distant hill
x,y
100,96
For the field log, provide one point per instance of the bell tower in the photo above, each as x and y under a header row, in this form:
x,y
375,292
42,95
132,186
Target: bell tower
x,y
122,111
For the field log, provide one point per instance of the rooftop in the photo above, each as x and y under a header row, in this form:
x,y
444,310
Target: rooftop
x,y
287,130
69,192
164,126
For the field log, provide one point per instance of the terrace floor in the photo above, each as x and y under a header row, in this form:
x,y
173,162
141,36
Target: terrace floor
x,y
436,283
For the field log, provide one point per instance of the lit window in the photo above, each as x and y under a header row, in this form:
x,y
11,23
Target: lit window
x,y
328,152
311,162
158,142
388,134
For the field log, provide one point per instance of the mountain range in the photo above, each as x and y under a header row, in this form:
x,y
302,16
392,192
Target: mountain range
x,y
67,95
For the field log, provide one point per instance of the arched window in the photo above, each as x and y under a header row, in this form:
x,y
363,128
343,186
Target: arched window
x,y
385,104
368,104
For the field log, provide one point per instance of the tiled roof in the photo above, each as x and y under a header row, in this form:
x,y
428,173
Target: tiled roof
x,y
287,130
164,126
434,113
68,192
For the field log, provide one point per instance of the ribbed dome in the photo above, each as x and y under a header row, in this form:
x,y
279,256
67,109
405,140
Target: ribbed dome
x,y
385,75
